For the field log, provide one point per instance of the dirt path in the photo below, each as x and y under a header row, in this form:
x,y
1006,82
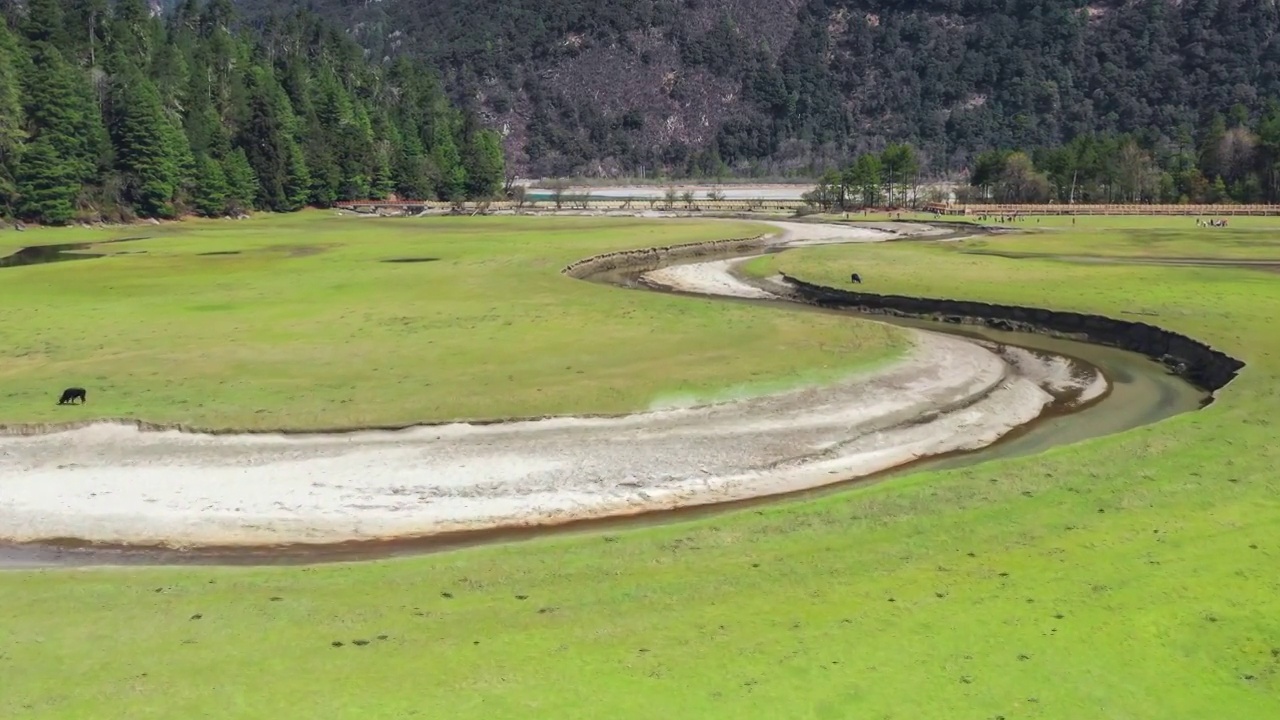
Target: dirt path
x,y
114,484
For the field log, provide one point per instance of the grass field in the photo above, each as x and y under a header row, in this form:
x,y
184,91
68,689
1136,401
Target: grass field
x,y
307,327
1244,238
1132,576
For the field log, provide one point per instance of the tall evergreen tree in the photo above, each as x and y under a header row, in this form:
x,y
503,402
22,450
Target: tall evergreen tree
x,y
65,129
104,109
451,178
12,134
147,154
210,193
242,182
483,160
133,31
268,137
46,185
86,25
45,22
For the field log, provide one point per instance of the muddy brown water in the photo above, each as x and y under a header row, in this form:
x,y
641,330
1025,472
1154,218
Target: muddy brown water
x,y
1141,392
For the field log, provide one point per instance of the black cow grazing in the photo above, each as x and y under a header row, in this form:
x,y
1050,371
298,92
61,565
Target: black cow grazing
x,y
70,395
855,278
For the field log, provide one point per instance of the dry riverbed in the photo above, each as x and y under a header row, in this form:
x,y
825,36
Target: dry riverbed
x,y
116,484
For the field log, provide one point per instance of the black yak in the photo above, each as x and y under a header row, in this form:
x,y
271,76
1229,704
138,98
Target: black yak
x,y
70,395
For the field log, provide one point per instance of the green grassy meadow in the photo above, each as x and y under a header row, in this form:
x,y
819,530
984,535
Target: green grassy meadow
x,y
1244,238
1131,576
305,327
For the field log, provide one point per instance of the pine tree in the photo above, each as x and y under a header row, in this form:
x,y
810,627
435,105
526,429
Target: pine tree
x,y
205,132
133,31
863,180
383,183
242,182
326,176
64,127
410,170
272,150
452,180
44,22
46,185
297,186
147,153
484,167
179,149
85,24
12,134
210,193
103,108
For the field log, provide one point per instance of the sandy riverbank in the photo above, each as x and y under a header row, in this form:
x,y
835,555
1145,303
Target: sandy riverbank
x,y
116,484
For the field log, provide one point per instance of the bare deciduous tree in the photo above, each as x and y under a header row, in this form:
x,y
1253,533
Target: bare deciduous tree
x,y
670,197
1136,173
1236,153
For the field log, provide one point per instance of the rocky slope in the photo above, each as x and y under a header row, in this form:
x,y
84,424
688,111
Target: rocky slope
x,y
628,86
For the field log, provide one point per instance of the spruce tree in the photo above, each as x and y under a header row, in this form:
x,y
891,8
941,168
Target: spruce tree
x,y
133,31
44,22
64,127
451,183
179,149
242,182
210,193
86,23
383,181
205,132
272,149
46,184
297,186
103,107
485,170
12,134
147,154
410,170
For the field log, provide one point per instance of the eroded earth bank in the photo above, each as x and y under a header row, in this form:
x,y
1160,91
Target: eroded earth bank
x,y
117,484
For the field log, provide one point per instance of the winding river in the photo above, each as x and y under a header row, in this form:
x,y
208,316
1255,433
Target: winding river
x,y
1138,391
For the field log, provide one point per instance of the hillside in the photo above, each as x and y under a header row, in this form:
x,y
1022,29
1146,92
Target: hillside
x,y
607,86
109,112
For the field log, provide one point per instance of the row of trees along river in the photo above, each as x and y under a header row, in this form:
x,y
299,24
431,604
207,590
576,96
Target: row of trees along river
x,y
1236,159
109,113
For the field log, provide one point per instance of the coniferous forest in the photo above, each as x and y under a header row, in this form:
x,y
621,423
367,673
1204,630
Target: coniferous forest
x,y
767,88
110,113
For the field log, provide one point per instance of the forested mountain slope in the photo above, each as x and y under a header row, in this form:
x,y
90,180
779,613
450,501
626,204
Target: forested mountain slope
x,y
110,111
583,86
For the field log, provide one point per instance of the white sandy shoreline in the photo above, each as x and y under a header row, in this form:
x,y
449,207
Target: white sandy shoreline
x,y
116,484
